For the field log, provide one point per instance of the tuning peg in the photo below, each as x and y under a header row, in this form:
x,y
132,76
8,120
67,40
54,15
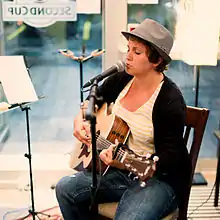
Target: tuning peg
x,y
155,158
134,169
129,175
143,184
127,165
135,178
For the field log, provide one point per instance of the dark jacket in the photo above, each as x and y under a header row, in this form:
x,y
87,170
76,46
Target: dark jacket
x,y
169,111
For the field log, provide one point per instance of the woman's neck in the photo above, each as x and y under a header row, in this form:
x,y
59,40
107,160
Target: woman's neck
x,y
149,80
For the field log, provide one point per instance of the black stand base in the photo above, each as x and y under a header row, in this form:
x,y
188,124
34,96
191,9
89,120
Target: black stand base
x,y
35,214
199,180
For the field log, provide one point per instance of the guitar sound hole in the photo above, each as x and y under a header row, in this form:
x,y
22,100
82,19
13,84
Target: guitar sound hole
x,y
117,134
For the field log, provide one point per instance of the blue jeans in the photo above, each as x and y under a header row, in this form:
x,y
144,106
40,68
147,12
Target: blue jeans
x,y
155,200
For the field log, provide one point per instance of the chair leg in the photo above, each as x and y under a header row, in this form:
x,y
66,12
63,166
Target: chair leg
x,y
182,217
100,217
183,212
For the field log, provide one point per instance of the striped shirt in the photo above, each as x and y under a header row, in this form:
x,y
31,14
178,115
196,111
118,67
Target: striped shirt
x,y
140,122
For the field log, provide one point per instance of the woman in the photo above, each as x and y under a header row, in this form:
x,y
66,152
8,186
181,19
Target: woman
x,y
154,109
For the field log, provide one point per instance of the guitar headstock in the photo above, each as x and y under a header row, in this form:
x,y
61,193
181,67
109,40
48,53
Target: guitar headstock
x,y
141,166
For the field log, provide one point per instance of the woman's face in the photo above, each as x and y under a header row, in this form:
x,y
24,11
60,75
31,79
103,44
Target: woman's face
x,y
137,61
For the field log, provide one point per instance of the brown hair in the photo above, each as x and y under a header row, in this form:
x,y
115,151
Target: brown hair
x,y
152,54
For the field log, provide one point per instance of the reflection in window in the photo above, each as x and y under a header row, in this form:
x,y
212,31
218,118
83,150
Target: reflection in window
x,y
165,13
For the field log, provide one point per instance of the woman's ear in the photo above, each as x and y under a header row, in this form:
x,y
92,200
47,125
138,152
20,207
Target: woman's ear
x,y
160,60
157,64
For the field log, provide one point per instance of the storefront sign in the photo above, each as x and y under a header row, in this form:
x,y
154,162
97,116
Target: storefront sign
x,y
143,1
89,6
39,13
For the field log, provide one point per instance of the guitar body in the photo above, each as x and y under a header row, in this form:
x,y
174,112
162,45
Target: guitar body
x,y
109,127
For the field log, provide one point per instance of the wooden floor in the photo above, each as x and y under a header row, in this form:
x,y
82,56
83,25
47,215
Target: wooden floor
x,y
201,204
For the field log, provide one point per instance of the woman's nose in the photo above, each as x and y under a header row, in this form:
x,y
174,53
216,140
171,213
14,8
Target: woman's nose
x,y
129,55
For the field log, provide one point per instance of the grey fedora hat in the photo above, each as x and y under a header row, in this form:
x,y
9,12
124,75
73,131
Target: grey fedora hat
x,y
156,34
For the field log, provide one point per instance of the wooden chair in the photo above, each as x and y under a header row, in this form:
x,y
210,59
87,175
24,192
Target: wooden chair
x,y
196,118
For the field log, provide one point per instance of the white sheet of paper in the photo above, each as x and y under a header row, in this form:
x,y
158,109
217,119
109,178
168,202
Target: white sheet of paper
x,y
143,1
15,80
4,107
88,6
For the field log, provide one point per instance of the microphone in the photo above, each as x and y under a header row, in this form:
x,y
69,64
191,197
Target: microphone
x,y
118,67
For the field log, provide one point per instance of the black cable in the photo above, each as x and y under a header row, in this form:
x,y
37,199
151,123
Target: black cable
x,y
203,203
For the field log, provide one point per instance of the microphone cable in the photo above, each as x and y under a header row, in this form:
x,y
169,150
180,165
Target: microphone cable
x,y
203,203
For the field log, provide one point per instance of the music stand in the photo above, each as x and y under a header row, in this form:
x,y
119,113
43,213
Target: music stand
x,y
19,92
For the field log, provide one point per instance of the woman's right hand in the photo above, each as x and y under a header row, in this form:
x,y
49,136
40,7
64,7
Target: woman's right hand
x,y
82,130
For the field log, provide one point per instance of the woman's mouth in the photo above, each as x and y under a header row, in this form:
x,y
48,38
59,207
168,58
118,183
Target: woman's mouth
x,y
128,65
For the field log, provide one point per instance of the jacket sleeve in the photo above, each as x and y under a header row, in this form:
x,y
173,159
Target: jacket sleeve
x,y
168,137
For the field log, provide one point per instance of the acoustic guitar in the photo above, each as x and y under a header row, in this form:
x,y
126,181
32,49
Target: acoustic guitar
x,y
109,128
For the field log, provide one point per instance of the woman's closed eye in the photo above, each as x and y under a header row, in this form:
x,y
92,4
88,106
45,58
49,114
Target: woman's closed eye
x,y
135,51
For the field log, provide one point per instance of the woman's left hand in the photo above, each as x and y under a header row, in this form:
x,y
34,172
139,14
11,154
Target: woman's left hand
x,y
106,156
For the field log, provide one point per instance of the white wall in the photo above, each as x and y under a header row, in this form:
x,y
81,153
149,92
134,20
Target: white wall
x,y
115,20
1,31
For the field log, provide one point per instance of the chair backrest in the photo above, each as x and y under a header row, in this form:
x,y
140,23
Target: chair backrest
x,y
196,118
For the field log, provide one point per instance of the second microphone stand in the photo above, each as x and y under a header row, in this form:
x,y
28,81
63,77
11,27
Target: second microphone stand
x,y
82,59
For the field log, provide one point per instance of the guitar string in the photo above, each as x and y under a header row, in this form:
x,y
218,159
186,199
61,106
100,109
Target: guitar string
x,y
119,129
104,143
120,153
102,140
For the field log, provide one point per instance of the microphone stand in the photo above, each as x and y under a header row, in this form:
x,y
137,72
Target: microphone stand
x,y
90,116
